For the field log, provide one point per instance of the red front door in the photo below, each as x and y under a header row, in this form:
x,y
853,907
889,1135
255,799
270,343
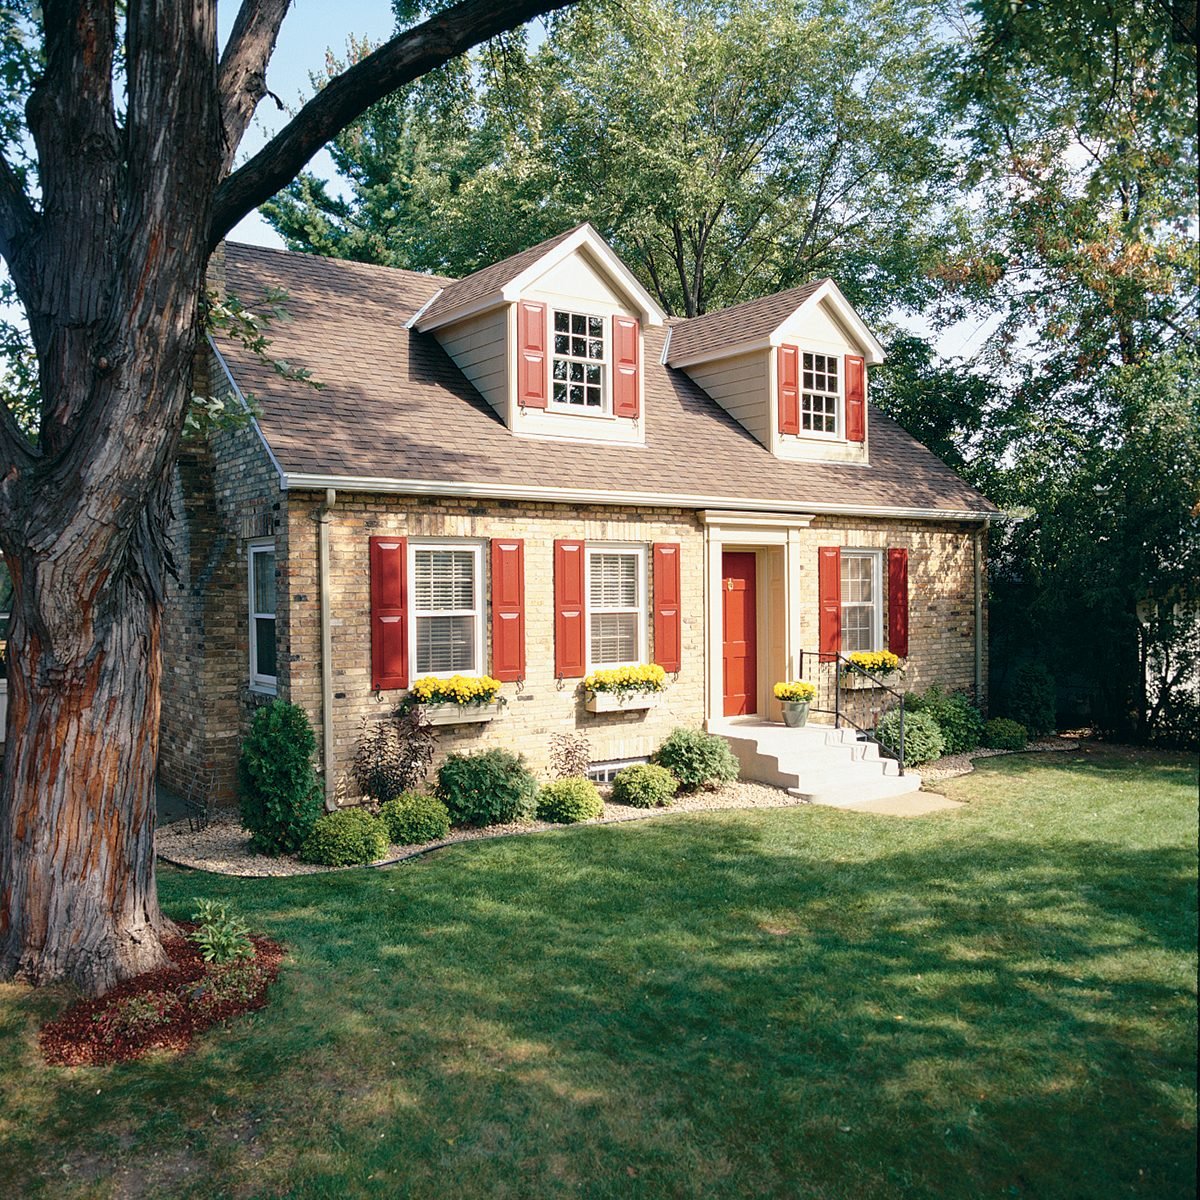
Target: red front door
x,y
739,651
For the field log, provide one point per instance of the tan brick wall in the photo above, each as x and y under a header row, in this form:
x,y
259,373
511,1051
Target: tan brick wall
x,y
941,593
542,706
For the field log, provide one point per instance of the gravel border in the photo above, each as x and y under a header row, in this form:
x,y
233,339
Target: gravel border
x,y
224,849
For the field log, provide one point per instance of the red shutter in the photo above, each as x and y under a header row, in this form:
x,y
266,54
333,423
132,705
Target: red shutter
x,y
626,371
570,610
531,355
898,601
508,609
829,590
789,389
667,620
856,399
389,621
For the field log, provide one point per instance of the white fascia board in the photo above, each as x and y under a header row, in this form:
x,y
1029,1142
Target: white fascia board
x,y
829,291
548,495
482,305
732,350
587,237
411,323
237,391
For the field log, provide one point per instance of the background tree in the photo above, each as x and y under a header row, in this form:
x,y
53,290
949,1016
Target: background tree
x,y
119,126
725,150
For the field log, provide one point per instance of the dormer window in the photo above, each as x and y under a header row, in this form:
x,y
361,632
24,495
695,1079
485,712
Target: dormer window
x,y
819,395
579,362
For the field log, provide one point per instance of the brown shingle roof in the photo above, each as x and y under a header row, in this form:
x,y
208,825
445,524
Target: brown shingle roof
x,y
464,292
395,406
749,322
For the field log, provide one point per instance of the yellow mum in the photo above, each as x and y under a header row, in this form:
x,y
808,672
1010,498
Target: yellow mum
x,y
639,680
795,691
876,662
458,689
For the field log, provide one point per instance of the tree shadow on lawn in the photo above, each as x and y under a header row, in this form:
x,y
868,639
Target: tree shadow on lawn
x,y
723,1013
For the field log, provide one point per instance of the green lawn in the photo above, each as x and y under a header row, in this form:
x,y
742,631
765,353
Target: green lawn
x,y
994,1002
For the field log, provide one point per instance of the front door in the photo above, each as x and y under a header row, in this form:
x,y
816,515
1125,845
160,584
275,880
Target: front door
x,y
739,651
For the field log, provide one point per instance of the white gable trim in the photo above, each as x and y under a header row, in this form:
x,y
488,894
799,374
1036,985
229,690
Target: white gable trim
x,y
586,238
829,293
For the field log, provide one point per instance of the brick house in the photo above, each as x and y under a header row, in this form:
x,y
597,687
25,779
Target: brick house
x,y
533,473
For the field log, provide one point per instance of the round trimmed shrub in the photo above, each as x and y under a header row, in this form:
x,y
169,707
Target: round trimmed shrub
x,y
697,759
345,838
923,741
413,818
279,794
960,721
493,787
1033,699
1002,734
568,800
644,785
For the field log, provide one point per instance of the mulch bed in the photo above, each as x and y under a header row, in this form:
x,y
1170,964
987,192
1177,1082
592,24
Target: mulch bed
x,y
84,1035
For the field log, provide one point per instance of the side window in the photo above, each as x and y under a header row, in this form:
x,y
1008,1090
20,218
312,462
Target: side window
x,y
446,607
862,601
616,586
263,669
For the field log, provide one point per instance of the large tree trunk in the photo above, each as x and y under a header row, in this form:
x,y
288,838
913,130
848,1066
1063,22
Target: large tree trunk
x,y
77,816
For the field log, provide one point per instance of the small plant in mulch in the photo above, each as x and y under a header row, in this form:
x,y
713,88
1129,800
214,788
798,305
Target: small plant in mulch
x,y
166,1008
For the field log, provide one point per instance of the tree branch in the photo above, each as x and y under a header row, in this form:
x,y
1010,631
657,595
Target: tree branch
x,y
242,75
406,57
18,222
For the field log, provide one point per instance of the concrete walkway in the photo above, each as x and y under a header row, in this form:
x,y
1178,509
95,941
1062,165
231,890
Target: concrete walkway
x,y
915,804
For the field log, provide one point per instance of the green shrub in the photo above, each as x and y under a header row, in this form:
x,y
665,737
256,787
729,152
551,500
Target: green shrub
x,y
345,839
568,800
1002,734
960,721
1032,699
414,818
221,936
279,793
644,786
697,759
490,788
923,741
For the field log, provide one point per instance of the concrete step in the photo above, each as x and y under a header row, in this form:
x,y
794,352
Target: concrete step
x,y
862,791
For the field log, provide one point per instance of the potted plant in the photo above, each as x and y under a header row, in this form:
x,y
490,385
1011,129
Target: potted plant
x,y
624,689
869,668
794,698
458,700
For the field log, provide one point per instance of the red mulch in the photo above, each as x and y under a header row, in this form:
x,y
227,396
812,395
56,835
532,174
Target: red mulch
x,y
75,1038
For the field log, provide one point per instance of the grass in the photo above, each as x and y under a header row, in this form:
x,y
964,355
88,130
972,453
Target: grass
x,y
997,1001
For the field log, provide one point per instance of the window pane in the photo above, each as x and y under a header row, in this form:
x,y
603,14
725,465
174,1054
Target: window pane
x,y
264,646
264,581
614,580
858,580
614,638
445,644
443,580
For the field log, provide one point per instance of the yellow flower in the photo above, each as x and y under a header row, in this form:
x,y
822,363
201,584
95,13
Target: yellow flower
x,y
458,689
876,662
796,690
648,677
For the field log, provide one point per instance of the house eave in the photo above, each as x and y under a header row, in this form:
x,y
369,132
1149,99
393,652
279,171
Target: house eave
x,y
446,489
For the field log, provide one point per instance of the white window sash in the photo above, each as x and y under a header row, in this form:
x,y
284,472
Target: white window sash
x,y
475,611
875,558
604,364
258,681
836,396
638,553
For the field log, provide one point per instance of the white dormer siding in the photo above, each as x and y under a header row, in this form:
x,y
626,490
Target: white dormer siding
x,y
479,348
741,385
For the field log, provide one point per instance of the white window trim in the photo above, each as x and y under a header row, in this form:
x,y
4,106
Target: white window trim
x,y
876,557
268,685
635,548
577,410
476,548
839,405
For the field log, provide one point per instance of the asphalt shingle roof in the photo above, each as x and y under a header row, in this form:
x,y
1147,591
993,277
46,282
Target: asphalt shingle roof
x,y
395,406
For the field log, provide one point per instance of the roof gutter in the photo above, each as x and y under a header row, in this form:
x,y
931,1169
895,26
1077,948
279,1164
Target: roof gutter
x,y
447,489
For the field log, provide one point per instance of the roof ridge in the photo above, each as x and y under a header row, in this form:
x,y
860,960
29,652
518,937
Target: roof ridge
x,y
333,260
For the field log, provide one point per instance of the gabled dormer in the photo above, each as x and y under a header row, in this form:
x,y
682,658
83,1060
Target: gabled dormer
x,y
552,338
790,368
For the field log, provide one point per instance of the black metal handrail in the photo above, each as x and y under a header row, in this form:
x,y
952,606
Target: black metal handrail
x,y
857,707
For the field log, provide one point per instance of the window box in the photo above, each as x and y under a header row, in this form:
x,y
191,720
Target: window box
x,y
854,680
462,714
610,702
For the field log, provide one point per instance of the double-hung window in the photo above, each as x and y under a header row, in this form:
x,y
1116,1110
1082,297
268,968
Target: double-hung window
x,y
579,362
819,394
263,669
446,593
862,600
616,583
